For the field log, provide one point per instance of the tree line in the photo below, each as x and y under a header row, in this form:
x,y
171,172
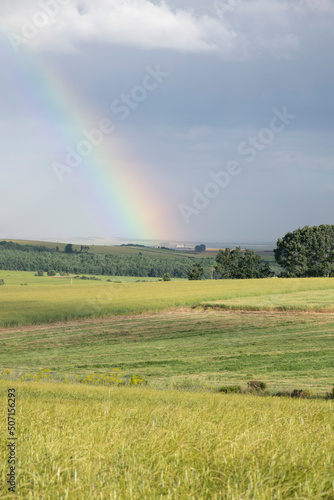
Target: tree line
x,y
107,265
306,252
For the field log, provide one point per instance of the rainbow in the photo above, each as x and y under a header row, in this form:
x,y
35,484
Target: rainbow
x,y
119,189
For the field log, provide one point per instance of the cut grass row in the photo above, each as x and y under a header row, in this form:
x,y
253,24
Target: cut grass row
x,y
184,350
94,442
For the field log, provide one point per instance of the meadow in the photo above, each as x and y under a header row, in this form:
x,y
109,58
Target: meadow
x,y
82,442
27,299
174,435
191,350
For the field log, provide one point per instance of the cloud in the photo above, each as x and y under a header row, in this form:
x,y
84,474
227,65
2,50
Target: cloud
x,y
137,23
251,29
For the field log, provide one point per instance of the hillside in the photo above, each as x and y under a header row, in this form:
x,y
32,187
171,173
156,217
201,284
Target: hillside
x,y
116,249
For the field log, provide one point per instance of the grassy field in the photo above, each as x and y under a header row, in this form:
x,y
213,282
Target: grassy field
x,y
318,300
24,278
27,299
183,349
78,442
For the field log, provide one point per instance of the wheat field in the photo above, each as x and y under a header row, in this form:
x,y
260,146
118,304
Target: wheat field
x,y
26,299
78,442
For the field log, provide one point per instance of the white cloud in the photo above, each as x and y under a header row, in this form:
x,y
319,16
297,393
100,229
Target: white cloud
x,y
252,25
137,23
253,28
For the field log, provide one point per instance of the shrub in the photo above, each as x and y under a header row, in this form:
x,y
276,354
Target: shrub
x,y
330,395
307,394
256,385
283,394
39,273
228,389
2,282
296,393
166,277
51,273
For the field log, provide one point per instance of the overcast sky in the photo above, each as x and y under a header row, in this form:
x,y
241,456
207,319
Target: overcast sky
x,y
222,118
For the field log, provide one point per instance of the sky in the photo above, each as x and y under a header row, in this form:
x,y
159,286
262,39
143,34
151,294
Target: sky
x,y
175,121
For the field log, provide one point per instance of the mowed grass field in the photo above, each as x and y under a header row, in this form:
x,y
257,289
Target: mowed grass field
x,y
27,299
183,349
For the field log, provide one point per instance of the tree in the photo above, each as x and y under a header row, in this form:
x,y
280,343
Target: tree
x,y
200,248
52,272
197,272
166,277
235,264
307,252
69,248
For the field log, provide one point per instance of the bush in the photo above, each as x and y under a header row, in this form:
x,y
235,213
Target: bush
x,y
330,395
228,389
296,393
256,385
2,282
283,394
52,273
166,277
39,273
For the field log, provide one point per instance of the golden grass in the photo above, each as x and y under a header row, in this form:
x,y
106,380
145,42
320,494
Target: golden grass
x,y
122,443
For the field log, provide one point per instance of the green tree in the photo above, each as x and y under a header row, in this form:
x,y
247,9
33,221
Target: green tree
x,y
69,248
166,277
235,264
307,252
200,248
197,272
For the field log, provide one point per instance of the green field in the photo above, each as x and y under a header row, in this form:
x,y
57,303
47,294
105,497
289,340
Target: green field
x,y
183,349
176,437
27,299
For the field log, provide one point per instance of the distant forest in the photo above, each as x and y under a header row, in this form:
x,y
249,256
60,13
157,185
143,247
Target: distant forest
x,y
16,257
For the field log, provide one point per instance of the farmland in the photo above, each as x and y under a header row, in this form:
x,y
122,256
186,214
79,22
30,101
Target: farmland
x,y
174,435
173,334
28,299
119,250
183,349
